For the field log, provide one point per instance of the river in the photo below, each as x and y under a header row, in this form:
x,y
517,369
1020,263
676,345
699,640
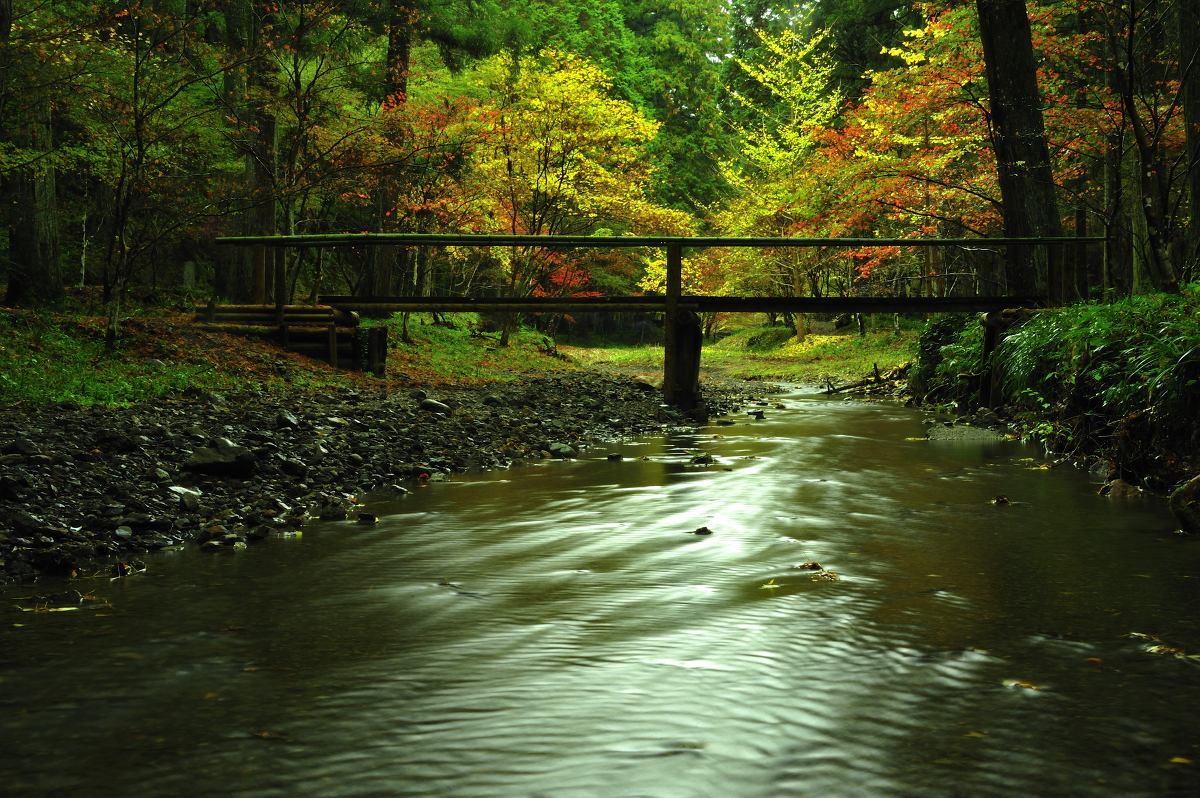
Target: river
x,y
557,632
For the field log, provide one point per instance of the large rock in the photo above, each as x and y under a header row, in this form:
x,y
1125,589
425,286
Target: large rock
x,y
223,460
1185,504
563,451
434,406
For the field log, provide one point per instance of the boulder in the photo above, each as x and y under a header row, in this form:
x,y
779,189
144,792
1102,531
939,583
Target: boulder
x,y
493,400
562,450
1185,504
434,406
223,459
1120,489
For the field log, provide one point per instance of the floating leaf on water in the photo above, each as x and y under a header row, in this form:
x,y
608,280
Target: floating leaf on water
x,y
1000,498
1023,685
1180,760
1093,659
1142,636
1165,651
975,734
769,585
809,566
916,439
828,576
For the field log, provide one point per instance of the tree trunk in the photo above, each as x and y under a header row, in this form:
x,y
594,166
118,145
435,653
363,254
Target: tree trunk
x,y
263,191
35,269
402,19
1027,189
1153,173
1189,49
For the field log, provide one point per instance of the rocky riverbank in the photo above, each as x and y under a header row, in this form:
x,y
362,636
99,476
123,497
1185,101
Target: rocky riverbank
x,y
83,489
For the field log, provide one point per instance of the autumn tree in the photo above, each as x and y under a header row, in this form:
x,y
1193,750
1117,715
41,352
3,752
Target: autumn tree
x,y
564,158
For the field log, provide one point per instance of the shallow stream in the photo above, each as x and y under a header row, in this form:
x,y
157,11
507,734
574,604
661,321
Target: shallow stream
x,y
556,632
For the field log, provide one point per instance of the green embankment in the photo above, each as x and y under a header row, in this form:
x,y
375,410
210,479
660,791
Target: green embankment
x,y
1120,380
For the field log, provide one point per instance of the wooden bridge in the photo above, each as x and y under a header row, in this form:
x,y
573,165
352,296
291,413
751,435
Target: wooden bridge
x,y
683,335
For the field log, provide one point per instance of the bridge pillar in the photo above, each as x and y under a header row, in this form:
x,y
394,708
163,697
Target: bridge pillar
x,y
682,339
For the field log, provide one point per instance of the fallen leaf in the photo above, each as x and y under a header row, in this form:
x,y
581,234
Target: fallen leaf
x,y
975,734
1094,659
769,585
809,566
1142,636
1179,760
1165,651
211,695
1022,685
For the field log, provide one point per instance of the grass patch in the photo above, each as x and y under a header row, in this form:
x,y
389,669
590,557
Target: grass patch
x,y
457,352
48,358
772,353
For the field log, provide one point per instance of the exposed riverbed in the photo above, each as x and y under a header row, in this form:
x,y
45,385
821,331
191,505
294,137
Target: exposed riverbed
x,y
556,631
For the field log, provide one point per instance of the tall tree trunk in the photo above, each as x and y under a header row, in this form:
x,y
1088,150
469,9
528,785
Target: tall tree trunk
x,y
1153,173
402,19
1027,190
234,280
34,268
263,188
1189,50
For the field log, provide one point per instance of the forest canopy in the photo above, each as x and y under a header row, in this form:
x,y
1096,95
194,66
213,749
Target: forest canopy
x,y
132,135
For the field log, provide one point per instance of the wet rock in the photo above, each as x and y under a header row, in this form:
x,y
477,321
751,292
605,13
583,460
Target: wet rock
x,y
212,398
702,531
434,406
1119,489
123,532
562,451
493,400
725,422
223,459
418,394
189,498
293,468
21,446
155,365
26,523
439,476
259,532
285,420
334,512
756,414
615,456
1185,504
11,490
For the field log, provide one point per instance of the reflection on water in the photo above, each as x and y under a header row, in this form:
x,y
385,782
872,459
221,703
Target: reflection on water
x,y
557,632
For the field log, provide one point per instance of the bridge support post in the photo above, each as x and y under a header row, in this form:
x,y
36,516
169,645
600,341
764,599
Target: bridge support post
x,y
280,284
682,339
689,336
670,324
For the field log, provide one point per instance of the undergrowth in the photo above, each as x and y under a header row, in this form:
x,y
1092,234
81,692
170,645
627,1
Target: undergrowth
x,y
1122,379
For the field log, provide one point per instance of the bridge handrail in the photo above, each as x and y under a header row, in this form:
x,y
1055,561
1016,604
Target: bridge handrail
x,y
574,241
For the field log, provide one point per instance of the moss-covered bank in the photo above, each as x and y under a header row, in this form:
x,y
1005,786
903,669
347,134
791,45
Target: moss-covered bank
x,y
1117,382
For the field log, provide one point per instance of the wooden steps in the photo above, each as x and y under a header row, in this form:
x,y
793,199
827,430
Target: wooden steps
x,y
321,332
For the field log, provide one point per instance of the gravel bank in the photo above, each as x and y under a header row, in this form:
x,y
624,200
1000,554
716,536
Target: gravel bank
x,y
82,489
